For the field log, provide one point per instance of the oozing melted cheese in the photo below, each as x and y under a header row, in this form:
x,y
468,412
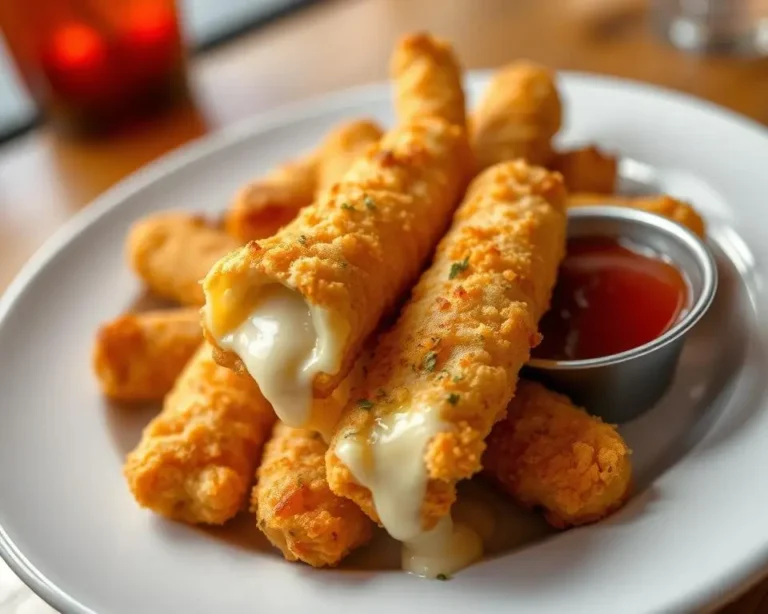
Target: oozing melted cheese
x,y
284,343
389,461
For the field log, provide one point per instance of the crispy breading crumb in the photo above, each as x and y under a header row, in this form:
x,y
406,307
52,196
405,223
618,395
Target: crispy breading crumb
x,y
295,508
551,454
196,460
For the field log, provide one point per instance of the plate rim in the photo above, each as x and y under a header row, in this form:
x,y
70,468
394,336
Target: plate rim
x,y
737,580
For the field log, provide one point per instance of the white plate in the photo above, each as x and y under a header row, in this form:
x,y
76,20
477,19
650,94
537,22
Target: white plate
x,y
694,532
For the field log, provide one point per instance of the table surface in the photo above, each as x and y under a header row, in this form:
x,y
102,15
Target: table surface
x,y
45,179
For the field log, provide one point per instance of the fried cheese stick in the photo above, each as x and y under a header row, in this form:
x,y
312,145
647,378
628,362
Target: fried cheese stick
x,y
517,116
551,454
666,206
587,170
347,258
262,207
172,251
138,356
342,147
196,460
443,374
295,508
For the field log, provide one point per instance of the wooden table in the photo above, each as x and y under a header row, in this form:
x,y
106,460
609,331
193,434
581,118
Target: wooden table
x,y
45,179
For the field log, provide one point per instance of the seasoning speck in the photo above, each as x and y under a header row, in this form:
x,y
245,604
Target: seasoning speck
x,y
370,204
430,361
458,267
347,207
453,398
365,404
442,576
303,239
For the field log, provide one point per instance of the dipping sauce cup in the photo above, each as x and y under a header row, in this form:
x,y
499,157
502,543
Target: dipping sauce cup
x,y
619,387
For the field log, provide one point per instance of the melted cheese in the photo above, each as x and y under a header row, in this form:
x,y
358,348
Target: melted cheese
x,y
390,463
284,343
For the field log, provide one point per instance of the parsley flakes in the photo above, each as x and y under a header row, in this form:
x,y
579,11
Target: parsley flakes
x,y
370,204
453,398
347,207
430,361
442,576
458,267
303,239
365,404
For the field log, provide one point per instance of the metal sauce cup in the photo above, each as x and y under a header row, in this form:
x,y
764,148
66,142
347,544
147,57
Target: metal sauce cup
x,y
620,387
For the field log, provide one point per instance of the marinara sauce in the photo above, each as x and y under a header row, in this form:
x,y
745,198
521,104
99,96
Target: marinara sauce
x,y
611,296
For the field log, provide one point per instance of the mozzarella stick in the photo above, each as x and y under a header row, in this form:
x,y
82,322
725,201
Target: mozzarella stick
x,y
196,460
264,206
138,356
294,310
587,170
294,506
443,374
342,147
427,81
172,251
666,206
517,116
551,454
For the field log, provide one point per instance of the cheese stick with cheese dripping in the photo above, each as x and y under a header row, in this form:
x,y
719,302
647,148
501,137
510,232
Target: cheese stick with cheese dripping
x,y
196,460
517,116
547,453
138,356
444,373
294,310
294,506
262,207
172,252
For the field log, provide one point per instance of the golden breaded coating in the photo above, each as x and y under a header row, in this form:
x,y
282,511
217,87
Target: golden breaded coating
x,y
548,453
359,246
517,116
587,170
138,356
262,207
196,460
172,251
342,147
666,206
427,80
295,508
466,331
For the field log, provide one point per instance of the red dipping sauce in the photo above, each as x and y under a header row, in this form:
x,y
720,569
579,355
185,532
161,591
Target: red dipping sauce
x,y
611,296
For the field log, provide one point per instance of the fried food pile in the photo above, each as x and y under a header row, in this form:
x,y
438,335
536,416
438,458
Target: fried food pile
x,y
432,248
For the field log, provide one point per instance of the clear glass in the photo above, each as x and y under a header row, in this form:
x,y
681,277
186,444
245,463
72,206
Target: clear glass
x,y
738,27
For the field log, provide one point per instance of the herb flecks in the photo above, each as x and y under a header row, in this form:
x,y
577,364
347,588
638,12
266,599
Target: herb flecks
x,y
303,239
430,361
365,404
457,268
370,204
442,576
347,207
453,398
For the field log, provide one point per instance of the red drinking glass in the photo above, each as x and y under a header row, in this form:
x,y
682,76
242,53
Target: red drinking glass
x,y
93,64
